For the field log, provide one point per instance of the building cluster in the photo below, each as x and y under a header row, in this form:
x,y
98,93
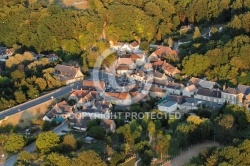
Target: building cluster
x,y
159,75
138,77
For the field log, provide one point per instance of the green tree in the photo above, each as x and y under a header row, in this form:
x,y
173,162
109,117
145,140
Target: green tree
x,y
163,144
157,125
17,75
146,157
26,158
97,132
151,128
58,160
46,125
88,158
92,123
32,92
224,128
144,45
41,83
201,63
46,141
69,140
14,143
20,97
197,33
117,158
3,139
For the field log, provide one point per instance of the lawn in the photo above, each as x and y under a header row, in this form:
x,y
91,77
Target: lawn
x,y
98,147
130,163
174,148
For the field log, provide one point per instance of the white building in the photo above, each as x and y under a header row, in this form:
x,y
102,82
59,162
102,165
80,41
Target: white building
x,y
168,106
189,91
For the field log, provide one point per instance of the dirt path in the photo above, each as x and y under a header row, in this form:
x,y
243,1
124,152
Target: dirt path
x,y
191,152
149,142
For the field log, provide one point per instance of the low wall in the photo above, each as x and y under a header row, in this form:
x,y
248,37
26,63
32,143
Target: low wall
x,y
24,118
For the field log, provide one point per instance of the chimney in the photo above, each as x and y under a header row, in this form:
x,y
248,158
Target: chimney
x,y
224,86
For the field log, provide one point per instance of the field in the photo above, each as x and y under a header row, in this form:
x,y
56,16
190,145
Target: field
x,y
24,118
79,4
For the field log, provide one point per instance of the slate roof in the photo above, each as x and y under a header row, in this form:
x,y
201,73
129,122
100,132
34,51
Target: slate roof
x,y
175,98
244,89
167,103
209,92
172,85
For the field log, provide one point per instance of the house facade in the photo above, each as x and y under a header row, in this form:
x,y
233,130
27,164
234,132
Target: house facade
x,y
69,74
168,106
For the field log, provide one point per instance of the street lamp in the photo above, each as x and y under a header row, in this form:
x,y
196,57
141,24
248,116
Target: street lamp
x,y
2,157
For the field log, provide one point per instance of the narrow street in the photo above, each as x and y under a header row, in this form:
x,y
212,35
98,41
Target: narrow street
x,y
30,148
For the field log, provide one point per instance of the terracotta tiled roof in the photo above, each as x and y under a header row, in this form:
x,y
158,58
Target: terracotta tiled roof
x,y
79,93
118,95
148,66
194,80
134,44
231,91
63,106
69,71
158,63
126,61
191,88
163,50
173,85
90,84
123,67
169,69
157,89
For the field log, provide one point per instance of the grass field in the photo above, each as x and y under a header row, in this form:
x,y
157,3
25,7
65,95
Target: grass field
x,y
79,4
24,118
98,147
130,163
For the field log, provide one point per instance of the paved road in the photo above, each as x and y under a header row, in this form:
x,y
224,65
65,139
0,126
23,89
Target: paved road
x,y
30,148
190,153
55,94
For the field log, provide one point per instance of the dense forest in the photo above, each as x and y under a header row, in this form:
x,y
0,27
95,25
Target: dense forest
x,y
47,27
229,155
26,79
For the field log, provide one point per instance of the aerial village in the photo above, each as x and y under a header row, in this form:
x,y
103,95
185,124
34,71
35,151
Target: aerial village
x,y
138,78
